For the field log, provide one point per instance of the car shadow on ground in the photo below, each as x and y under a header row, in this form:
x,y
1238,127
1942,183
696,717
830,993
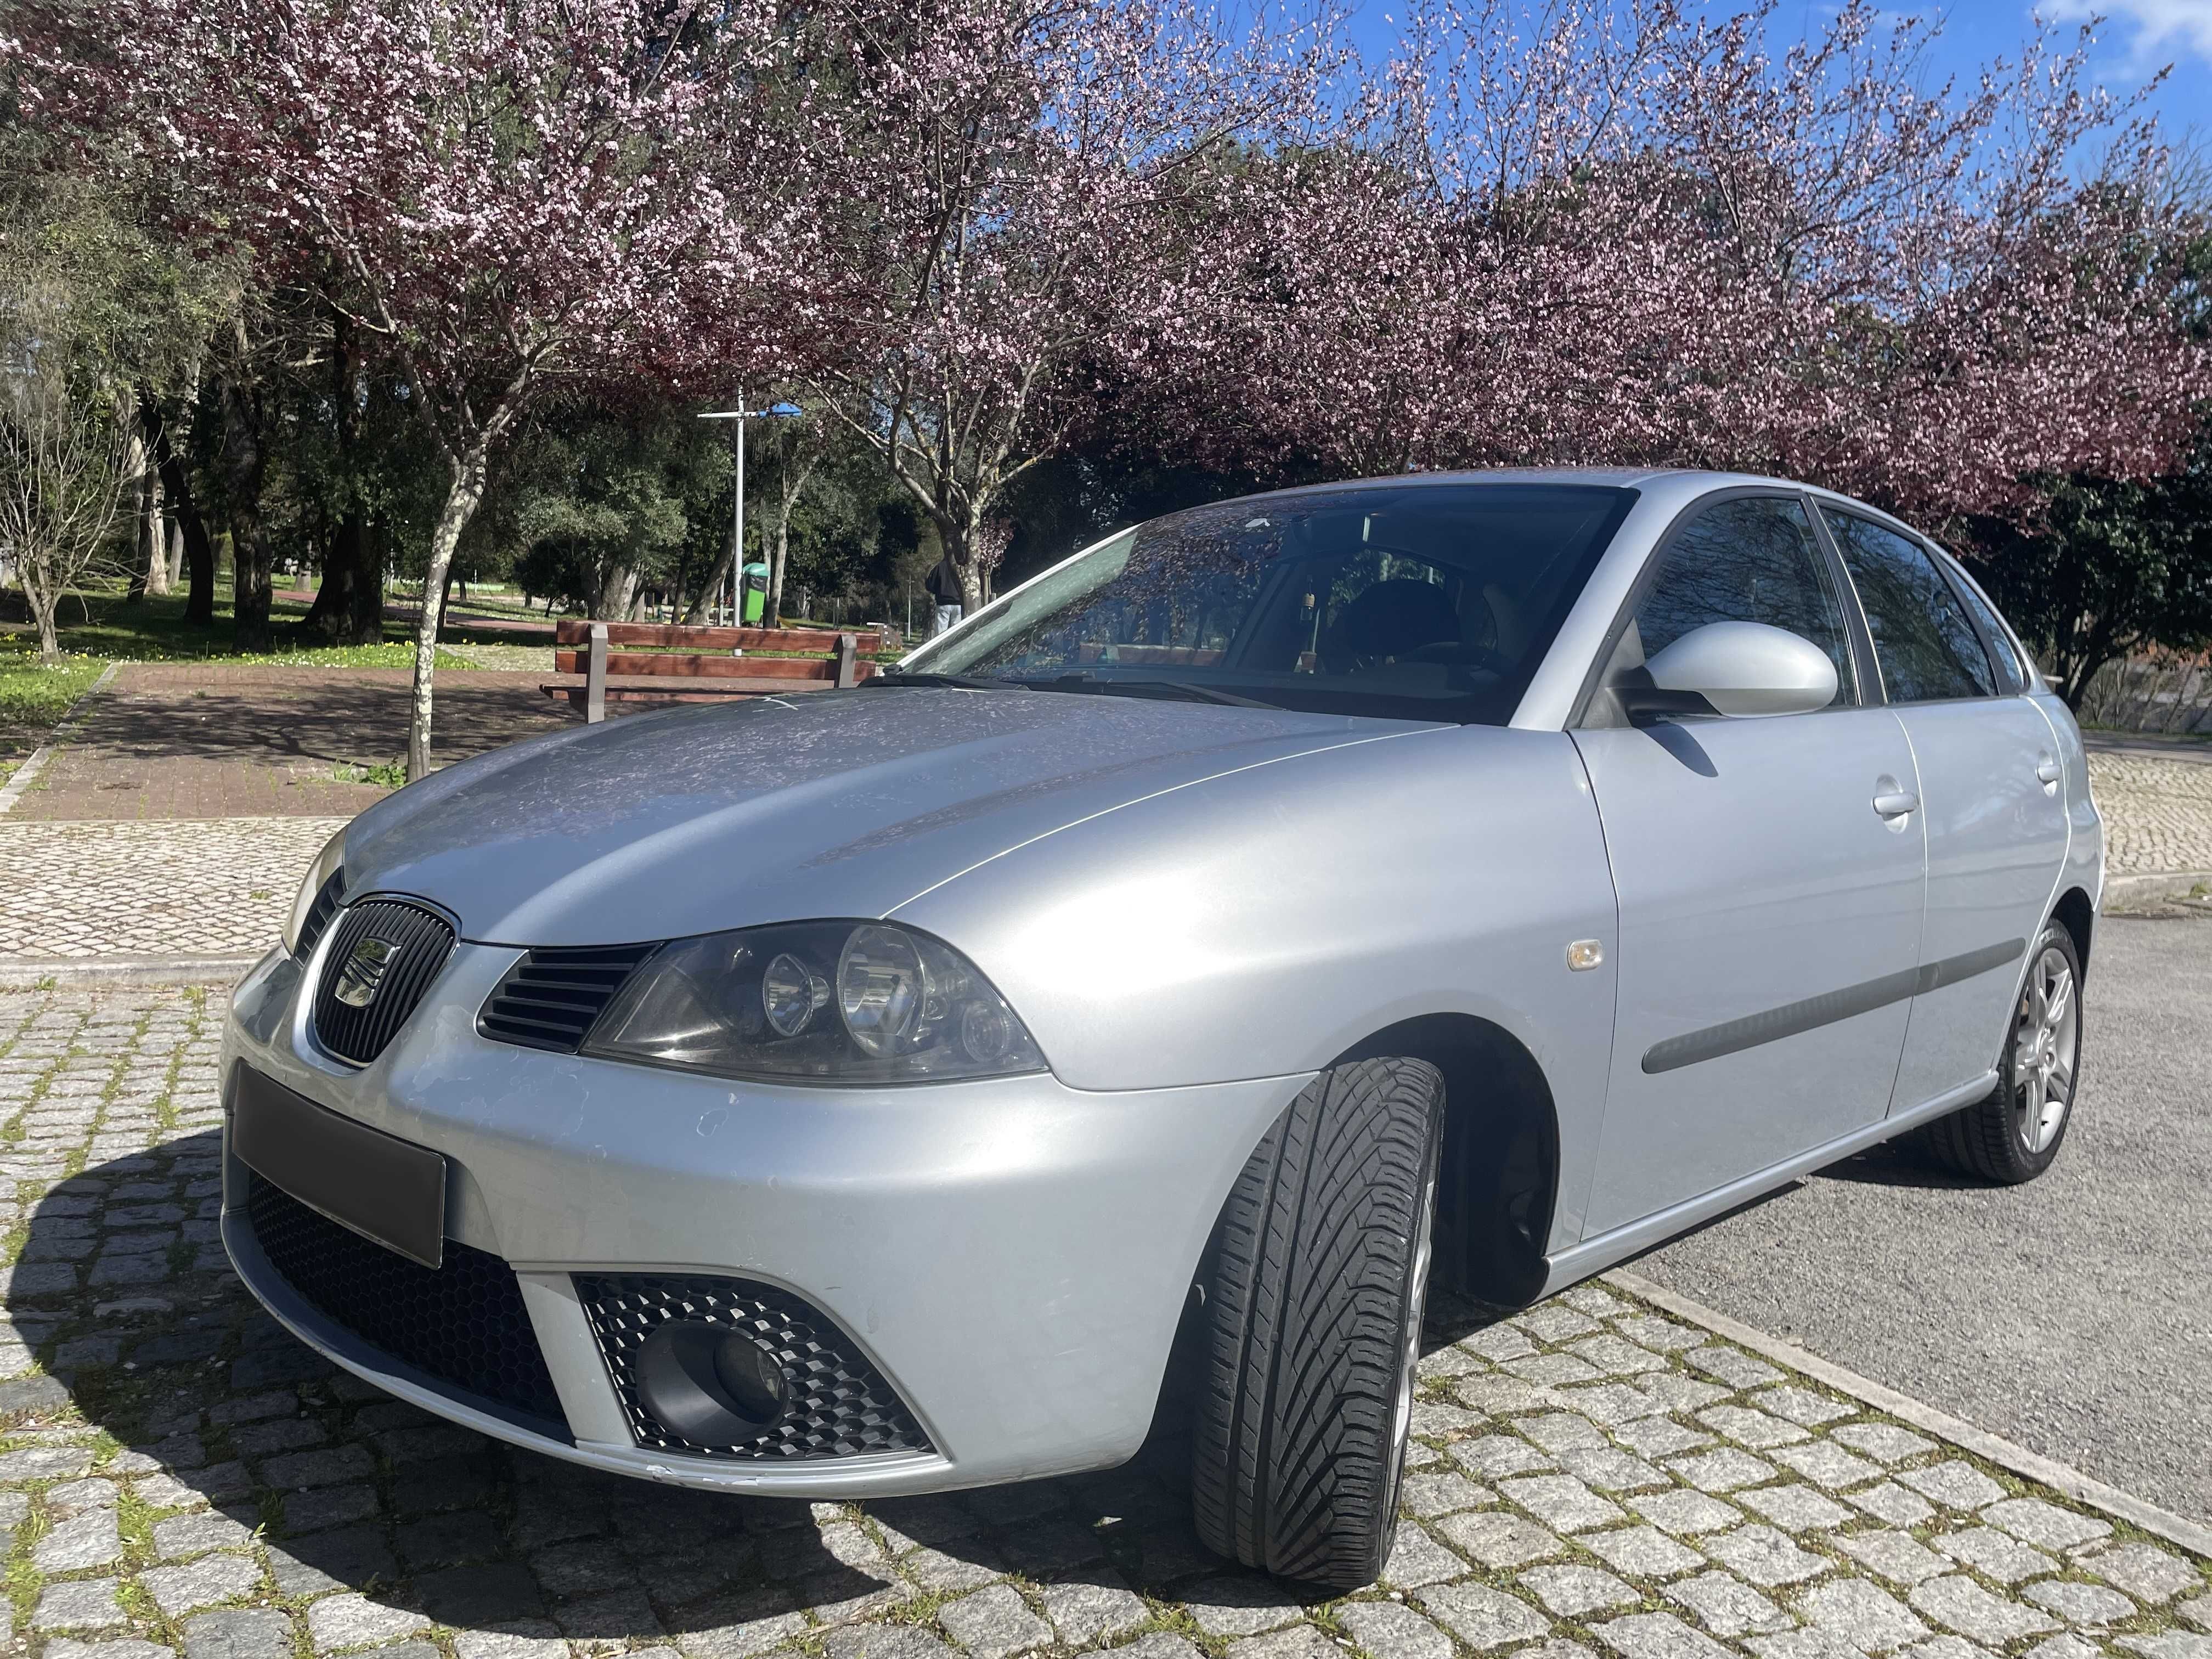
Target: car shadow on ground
x,y
244,1446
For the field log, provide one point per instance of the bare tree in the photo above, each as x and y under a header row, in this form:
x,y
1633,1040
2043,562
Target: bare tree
x,y
62,466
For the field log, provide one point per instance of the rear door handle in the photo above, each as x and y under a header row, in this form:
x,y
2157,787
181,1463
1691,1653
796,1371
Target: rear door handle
x,y
1896,803
2047,774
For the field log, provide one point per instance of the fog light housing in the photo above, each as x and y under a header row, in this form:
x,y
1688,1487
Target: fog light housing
x,y
710,1384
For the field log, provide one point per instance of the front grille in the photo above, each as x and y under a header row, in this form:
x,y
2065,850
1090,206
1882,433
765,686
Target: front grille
x,y
319,914
462,1326
549,999
421,941
841,1404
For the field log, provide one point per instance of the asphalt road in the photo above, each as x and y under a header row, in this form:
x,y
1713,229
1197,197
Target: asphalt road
x,y
2072,1315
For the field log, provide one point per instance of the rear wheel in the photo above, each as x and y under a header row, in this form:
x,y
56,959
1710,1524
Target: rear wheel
x,y
2013,1135
1313,1311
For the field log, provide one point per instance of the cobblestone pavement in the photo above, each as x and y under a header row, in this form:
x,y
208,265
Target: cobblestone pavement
x,y
2157,812
190,887
1591,1481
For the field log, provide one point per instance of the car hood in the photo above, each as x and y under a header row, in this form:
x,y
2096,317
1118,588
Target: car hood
x,y
835,804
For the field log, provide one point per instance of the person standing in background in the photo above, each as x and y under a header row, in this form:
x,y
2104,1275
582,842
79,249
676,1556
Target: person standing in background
x,y
943,587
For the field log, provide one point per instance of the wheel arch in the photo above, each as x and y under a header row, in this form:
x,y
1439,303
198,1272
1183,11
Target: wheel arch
x,y
2075,913
1499,1179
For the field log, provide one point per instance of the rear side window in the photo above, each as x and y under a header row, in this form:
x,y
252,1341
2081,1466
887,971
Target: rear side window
x,y
1753,559
2012,674
1928,648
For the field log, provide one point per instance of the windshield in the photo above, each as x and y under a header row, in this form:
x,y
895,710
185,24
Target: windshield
x,y
1422,602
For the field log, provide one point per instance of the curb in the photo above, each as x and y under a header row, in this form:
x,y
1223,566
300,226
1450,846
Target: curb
x,y
2029,1466
64,729
23,973
2157,883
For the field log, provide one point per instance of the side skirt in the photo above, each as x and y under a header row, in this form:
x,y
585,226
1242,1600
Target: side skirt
x,y
1594,1255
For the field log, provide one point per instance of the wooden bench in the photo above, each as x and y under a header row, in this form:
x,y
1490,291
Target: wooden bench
x,y
701,664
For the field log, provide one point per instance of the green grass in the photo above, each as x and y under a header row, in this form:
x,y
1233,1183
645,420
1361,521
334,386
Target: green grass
x,y
33,697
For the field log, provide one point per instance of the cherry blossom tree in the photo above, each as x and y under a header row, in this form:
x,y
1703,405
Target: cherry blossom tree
x,y
1011,179
513,193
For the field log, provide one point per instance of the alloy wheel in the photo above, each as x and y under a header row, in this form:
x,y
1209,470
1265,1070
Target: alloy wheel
x,y
2046,1040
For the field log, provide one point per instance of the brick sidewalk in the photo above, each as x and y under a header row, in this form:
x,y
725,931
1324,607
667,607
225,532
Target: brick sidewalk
x,y
1589,1479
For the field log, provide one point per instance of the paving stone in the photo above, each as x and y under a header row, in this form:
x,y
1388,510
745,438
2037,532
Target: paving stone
x,y
1722,1470
1498,1540
1658,1635
1615,1357
1614,1404
1994,1554
353,1621
1561,1502
884,1642
1751,1428
1795,1507
1390,1630
1887,1501
993,1623
1158,1645
1685,1512
1660,1436
1558,1431
1608,1468
1553,1368
1955,1484
1498,1342
1764,1555
1242,1606
1803,1405
87,1540
115,1647
1297,1642
2078,1604
1572,1591
1085,1611
521,1638
1641,1552
2036,1521
1861,1613
1961,1604
1662,1335
2143,1570
1826,1464
194,1535
1555,1322
1428,1495
1732,1366
2174,1644
1417,1559
1883,1442
1896,1556
1494,1455
1484,1618
78,1604
1802,1644
239,1633
2198,1612
1726,1606
202,1583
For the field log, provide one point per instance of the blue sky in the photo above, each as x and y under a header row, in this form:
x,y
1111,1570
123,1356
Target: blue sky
x,y
2136,39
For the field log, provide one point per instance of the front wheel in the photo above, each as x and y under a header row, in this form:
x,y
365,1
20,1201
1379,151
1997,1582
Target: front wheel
x,y
1313,1310
2013,1135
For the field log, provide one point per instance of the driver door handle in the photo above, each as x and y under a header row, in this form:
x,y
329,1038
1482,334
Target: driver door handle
x,y
2047,773
1896,803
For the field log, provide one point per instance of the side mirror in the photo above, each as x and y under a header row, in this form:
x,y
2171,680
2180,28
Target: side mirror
x,y
1735,668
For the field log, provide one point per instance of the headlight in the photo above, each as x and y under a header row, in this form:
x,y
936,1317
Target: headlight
x,y
321,874
842,1001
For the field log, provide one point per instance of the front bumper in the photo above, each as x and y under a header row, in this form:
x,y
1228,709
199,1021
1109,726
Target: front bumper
x,y
1012,1254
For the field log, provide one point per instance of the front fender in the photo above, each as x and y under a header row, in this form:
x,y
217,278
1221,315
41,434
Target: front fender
x,y
1261,923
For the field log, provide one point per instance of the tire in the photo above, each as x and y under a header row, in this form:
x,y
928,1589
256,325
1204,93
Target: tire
x,y
2013,1135
1313,1324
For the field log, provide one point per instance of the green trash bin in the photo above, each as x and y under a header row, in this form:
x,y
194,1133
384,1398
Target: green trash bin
x,y
754,588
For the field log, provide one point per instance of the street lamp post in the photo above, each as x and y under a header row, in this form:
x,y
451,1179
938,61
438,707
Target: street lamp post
x,y
741,415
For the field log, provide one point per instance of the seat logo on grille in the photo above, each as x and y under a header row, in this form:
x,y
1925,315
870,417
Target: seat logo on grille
x,y
364,972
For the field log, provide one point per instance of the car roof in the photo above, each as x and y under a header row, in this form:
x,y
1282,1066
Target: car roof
x,y
1614,477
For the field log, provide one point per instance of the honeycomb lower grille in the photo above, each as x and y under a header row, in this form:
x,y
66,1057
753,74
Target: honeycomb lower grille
x,y
462,1326
840,1406
387,983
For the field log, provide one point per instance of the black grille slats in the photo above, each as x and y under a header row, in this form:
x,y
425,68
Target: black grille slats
x,y
319,914
550,997
840,1406
463,1325
422,940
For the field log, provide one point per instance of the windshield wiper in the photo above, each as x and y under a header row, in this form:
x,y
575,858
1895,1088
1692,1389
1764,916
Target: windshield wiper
x,y
953,682
1167,691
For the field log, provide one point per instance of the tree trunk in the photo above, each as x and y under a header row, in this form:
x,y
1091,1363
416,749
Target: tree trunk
x,y
715,578
192,552
464,493
149,568
348,607
244,463
176,530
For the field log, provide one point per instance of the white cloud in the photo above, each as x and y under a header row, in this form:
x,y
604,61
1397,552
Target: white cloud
x,y
2161,29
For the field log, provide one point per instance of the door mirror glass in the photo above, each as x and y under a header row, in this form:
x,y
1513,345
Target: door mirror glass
x,y
1746,668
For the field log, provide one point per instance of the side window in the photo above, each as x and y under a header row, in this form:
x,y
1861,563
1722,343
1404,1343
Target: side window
x,y
2012,673
1749,560
1928,649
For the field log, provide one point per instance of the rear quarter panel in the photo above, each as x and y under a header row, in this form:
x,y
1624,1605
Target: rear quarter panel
x,y
1261,923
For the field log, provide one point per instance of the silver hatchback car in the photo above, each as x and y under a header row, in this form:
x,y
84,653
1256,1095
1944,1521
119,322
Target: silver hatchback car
x,y
860,1093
